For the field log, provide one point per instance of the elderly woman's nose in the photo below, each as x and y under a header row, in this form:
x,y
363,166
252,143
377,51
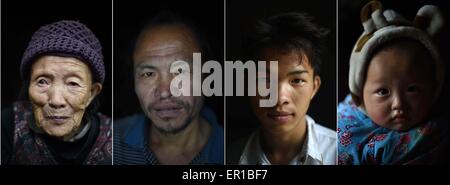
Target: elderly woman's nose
x,y
56,97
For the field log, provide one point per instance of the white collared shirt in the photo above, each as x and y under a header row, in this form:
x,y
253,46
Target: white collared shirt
x,y
320,147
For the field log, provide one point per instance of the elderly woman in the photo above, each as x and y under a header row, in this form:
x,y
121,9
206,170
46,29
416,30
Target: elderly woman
x,y
56,122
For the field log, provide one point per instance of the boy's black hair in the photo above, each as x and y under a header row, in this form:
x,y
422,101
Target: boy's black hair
x,y
289,32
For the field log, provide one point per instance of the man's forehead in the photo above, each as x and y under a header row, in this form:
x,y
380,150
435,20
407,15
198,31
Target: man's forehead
x,y
156,44
163,36
164,52
164,49
158,61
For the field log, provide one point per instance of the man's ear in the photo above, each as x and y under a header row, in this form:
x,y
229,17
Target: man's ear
x,y
95,90
316,87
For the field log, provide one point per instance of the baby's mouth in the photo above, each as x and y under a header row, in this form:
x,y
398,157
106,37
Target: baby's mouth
x,y
399,119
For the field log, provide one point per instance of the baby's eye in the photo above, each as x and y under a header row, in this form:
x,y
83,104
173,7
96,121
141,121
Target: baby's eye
x,y
382,92
412,88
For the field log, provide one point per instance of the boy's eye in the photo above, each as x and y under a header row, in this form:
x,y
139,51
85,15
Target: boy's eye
x,y
382,92
412,88
298,81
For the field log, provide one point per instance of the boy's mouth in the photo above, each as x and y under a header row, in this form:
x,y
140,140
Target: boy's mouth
x,y
281,117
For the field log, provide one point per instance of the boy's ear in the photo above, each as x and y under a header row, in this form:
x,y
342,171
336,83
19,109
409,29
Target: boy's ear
x,y
317,83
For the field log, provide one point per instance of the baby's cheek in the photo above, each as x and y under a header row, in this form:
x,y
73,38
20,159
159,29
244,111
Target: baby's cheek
x,y
378,118
379,115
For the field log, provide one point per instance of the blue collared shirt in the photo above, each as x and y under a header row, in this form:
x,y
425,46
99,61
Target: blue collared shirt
x,y
131,142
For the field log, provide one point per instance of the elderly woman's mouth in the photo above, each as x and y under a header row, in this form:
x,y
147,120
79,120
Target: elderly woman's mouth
x,y
58,119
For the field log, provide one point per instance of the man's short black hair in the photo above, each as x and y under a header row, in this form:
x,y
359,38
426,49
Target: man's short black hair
x,y
289,32
167,17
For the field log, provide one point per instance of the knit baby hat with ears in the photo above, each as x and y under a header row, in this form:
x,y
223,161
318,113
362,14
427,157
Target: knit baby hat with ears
x,y
383,26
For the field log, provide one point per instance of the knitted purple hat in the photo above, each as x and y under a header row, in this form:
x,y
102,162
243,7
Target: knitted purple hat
x,y
65,38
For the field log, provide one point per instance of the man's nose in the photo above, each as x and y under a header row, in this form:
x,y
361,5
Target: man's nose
x,y
56,97
163,88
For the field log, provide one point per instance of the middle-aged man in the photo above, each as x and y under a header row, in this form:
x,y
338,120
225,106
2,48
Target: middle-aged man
x,y
172,129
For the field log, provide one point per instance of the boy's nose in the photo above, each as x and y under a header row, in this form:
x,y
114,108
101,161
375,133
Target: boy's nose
x,y
284,95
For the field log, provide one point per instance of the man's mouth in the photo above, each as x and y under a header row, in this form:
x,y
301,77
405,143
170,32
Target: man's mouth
x,y
168,111
281,117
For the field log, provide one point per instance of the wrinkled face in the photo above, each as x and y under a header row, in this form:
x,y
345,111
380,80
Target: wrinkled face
x,y
399,86
155,51
60,90
296,87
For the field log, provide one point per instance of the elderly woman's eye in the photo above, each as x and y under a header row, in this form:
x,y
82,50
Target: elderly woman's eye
x,y
42,82
74,84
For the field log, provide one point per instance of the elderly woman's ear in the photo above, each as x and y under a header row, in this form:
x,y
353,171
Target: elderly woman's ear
x,y
95,90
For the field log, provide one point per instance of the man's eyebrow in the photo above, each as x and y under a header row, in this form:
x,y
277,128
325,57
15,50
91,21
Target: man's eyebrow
x,y
297,72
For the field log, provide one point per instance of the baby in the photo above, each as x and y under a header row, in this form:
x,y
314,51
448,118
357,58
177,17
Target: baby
x,y
395,78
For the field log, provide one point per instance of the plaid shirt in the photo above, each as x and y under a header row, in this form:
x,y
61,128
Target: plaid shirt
x,y
131,143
